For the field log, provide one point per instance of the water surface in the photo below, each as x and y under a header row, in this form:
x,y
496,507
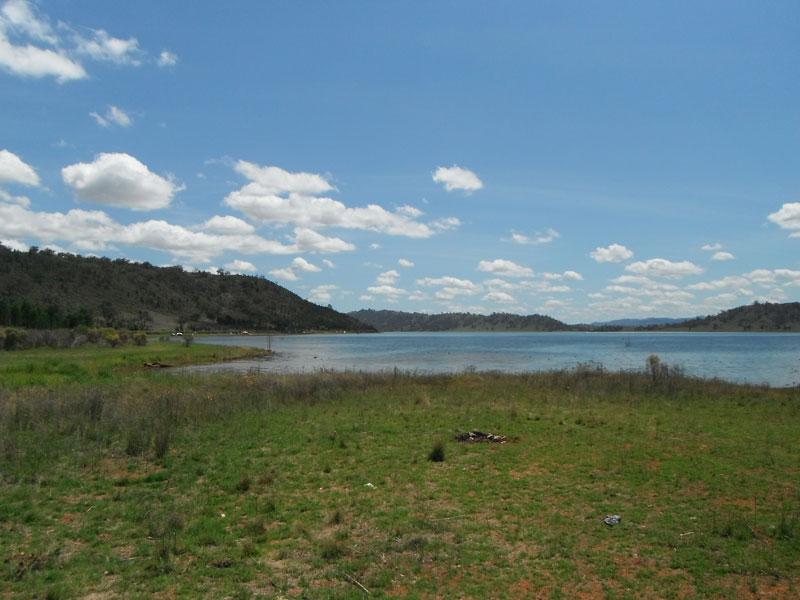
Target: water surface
x,y
741,357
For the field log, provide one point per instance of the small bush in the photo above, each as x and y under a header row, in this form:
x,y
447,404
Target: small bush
x,y
140,338
161,441
437,452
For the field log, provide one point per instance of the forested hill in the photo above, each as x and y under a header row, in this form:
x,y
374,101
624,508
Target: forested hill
x,y
392,320
752,317
40,288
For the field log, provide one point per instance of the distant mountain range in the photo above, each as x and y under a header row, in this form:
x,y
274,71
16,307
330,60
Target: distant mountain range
x,y
759,316
42,289
646,322
753,317
393,320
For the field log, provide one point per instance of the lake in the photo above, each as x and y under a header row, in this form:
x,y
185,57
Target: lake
x,y
772,358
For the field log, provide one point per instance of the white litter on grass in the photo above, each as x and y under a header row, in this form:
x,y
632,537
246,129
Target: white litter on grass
x,y
612,520
369,485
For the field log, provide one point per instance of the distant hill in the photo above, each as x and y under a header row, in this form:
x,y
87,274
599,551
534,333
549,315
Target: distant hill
x,y
40,288
392,320
752,317
646,322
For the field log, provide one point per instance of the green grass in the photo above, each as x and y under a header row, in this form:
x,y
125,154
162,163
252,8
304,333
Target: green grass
x,y
262,488
53,367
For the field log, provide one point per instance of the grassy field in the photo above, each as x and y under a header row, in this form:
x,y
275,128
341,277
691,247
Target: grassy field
x,y
92,364
321,486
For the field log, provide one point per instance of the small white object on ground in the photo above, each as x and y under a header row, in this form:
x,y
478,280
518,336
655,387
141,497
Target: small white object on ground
x,y
612,520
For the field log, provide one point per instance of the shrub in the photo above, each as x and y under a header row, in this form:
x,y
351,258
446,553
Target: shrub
x,y
140,338
437,452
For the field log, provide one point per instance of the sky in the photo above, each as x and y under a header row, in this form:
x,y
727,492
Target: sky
x,y
585,160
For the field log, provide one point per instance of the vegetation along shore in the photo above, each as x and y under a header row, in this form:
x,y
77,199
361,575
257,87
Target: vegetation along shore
x,y
123,481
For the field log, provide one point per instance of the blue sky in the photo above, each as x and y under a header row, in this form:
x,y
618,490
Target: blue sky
x,y
566,158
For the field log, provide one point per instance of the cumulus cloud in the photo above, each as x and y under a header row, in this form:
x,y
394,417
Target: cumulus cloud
x,y
712,247
450,287
537,238
95,230
280,197
20,200
14,170
457,178
285,274
788,217
241,266
31,47
113,116
308,240
118,179
322,293
722,256
661,267
446,224
301,264
500,298
167,59
566,275
101,46
227,225
504,268
405,263
19,19
611,254
388,278
389,292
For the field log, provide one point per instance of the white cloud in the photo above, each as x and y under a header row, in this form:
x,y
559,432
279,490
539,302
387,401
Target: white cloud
x,y
788,217
23,201
31,47
227,225
457,178
722,256
410,211
113,116
308,240
537,238
18,18
281,197
504,268
660,267
322,293
167,59
14,245
302,264
391,293
405,263
95,230
712,247
285,274
388,278
328,263
446,224
374,246
118,179
14,170
101,46
450,287
611,254
500,298
241,266
417,296
568,275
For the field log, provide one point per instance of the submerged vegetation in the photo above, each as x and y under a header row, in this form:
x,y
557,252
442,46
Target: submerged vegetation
x,y
326,485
